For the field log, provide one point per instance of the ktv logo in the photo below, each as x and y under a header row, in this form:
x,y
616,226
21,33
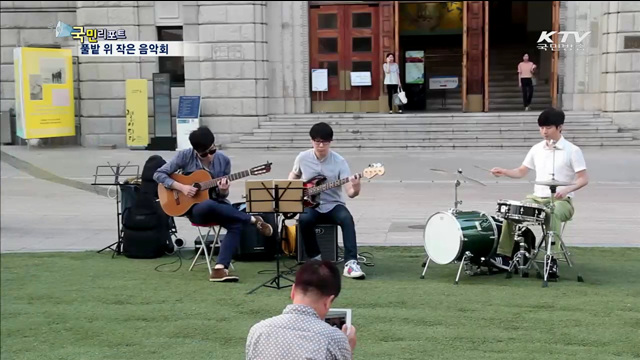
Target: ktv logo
x,y
545,40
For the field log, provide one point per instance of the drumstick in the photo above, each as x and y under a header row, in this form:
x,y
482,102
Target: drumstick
x,y
481,168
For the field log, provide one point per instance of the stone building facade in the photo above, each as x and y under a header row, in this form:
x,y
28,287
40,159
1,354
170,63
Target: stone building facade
x,y
256,57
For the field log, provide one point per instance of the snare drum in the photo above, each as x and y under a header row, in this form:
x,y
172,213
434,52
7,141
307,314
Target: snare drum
x,y
521,212
448,236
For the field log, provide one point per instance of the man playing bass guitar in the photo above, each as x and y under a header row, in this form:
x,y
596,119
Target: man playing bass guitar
x,y
321,160
217,209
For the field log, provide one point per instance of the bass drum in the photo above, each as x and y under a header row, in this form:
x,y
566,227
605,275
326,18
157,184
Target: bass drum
x,y
448,236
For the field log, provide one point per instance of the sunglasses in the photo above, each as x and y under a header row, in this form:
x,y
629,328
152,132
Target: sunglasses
x,y
208,152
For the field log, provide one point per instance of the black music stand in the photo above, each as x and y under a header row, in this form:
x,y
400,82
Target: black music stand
x,y
116,172
278,197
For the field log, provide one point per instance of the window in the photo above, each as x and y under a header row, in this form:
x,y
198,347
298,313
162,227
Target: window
x,y
327,21
358,66
361,20
361,44
328,45
332,66
173,65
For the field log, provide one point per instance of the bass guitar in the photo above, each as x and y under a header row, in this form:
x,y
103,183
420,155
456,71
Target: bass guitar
x,y
316,185
175,203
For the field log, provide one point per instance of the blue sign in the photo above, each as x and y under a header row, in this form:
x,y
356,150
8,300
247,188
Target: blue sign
x,y
188,107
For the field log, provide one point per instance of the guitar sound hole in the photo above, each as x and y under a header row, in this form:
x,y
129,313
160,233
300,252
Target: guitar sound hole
x,y
197,186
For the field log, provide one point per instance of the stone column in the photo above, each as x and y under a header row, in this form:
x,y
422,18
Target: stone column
x,y
28,23
580,69
102,79
621,69
232,72
288,61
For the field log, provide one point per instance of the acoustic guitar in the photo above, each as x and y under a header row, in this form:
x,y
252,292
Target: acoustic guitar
x,y
175,203
316,185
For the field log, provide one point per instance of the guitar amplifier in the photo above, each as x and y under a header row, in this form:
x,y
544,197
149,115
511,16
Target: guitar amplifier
x,y
327,236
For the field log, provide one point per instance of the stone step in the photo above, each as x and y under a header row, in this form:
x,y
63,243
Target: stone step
x,y
435,130
520,116
408,122
421,145
394,137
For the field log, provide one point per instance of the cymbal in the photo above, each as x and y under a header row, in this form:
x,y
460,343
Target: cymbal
x,y
456,174
553,183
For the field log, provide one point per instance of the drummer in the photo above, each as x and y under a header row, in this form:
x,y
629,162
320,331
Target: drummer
x,y
569,167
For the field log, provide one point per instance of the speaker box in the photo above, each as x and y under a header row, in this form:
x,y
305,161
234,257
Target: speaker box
x,y
255,246
327,236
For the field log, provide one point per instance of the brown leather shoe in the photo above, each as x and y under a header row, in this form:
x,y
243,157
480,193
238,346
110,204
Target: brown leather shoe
x,y
264,228
222,275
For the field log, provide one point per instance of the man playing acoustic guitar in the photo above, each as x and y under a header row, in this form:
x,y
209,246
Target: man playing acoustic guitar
x,y
217,209
321,160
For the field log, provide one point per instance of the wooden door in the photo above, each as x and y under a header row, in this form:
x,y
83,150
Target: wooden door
x,y
327,39
345,38
362,52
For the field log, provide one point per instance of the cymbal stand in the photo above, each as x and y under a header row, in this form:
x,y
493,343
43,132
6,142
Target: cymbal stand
x,y
457,184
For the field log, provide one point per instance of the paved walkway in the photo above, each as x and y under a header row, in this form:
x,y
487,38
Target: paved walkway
x,y
48,203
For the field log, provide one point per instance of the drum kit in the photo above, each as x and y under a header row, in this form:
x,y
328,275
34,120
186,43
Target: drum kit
x,y
471,237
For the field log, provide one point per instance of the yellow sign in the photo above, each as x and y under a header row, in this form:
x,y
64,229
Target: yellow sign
x,y
44,93
137,114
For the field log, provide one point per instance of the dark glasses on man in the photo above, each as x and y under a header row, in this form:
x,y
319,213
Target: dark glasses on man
x,y
208,152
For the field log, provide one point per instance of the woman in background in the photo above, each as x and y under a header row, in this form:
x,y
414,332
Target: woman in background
x,y
525,80
391,80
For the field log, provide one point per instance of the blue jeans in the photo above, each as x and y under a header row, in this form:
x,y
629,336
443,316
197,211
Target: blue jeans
x,y
230,218
340,216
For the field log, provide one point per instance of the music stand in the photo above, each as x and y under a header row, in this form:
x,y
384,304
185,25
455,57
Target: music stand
x,y
116,172
275,196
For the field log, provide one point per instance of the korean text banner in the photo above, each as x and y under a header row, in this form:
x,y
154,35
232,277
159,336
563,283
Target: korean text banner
x,y
44,93
137,113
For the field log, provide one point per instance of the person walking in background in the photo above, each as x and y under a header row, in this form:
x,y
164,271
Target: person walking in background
x,y
391,80
526,69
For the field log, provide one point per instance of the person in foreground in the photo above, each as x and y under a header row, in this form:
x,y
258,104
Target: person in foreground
x,y
569,167
321,160
300,332
204,155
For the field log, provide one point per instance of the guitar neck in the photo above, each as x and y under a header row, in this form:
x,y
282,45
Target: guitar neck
x,y
232,177
324,187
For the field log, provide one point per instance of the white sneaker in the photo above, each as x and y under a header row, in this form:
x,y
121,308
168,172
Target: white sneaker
x,y
352,270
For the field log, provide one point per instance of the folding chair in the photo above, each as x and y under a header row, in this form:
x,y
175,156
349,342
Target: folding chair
x,y
209,259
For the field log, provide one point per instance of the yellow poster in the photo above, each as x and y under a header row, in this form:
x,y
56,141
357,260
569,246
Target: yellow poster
x,y
137,115
44,93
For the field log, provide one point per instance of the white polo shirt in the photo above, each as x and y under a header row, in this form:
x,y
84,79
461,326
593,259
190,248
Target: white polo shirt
x,y
568,161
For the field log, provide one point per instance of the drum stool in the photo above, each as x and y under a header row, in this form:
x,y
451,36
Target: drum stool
x,y
545,247
215,228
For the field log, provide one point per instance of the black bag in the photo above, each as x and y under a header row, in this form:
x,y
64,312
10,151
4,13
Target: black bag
x,y
146,228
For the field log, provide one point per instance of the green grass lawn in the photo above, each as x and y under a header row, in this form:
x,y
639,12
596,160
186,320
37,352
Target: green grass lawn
x,y
90,306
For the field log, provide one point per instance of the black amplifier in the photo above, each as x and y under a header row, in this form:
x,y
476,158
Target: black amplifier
x,y
327,236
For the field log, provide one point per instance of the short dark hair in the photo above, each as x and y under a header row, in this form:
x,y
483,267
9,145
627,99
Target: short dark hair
x,y
321,277
321,131
389,54
201,139
551,117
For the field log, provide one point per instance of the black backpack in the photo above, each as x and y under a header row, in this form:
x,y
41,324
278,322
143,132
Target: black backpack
x,y
146,228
